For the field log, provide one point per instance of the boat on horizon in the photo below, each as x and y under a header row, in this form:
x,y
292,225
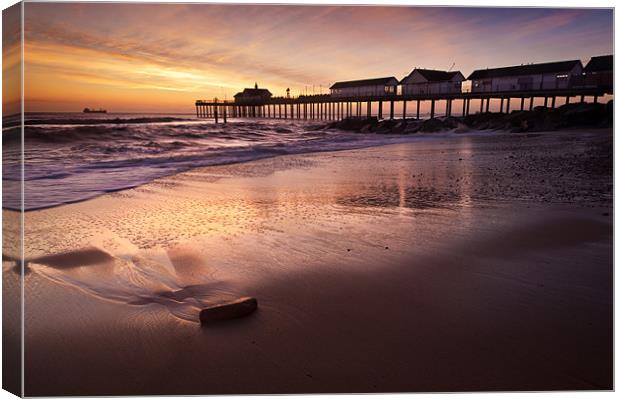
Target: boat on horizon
x,y
94,111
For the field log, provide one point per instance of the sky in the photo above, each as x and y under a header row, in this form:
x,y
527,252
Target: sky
x,y
162,57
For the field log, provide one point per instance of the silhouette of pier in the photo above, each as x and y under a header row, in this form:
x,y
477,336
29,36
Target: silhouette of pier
x,y
328,107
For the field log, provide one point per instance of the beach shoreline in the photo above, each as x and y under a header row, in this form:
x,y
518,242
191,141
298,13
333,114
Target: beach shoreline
x,y
468,263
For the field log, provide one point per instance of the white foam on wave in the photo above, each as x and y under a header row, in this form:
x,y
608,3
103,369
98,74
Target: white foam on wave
x,y
67,163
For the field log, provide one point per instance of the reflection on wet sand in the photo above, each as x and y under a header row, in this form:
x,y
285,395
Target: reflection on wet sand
x,y
397,196
331,245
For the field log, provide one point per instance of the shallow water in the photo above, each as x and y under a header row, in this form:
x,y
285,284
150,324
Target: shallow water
x,y
72,157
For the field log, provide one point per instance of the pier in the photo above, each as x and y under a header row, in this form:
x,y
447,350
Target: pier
x,y
328,107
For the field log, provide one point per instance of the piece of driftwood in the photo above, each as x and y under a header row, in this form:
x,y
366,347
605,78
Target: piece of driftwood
x,y
229,310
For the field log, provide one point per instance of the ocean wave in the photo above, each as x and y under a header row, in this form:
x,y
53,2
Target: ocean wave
x,y
101,121
70,163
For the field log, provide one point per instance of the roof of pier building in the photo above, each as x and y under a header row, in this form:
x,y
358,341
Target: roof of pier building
x,y
433,75
600,63
254,93
529,69
390,81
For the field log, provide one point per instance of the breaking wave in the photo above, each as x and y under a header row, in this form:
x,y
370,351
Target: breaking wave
x,y
72,157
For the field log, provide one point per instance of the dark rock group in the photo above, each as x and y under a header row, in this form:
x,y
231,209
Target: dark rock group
x,y
537,120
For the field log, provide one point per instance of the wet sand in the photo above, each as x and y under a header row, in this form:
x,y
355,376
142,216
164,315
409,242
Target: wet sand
x,y
471,262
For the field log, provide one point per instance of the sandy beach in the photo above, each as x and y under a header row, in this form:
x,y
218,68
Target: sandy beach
x,y
479,261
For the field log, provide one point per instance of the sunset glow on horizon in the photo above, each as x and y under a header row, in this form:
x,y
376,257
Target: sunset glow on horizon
x,y
162,57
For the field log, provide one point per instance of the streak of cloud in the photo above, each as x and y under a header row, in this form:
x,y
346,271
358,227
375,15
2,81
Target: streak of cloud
x,y
161,57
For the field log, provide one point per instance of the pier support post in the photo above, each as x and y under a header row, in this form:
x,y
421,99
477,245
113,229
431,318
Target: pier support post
x,y
567,100
481,104
380,109
368,112
488,104
404,109
508,105
224,112
392,109
215,113
546,101
464,105
432,109
417,113
522,103
531,103
467,109
583,98
285,112
448,105
553,102
197,111
501,105
595,99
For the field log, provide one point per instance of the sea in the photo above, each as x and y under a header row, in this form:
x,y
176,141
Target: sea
x,y
71,157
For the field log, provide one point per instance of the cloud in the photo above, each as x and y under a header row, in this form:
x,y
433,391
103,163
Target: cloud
x,y
209,49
